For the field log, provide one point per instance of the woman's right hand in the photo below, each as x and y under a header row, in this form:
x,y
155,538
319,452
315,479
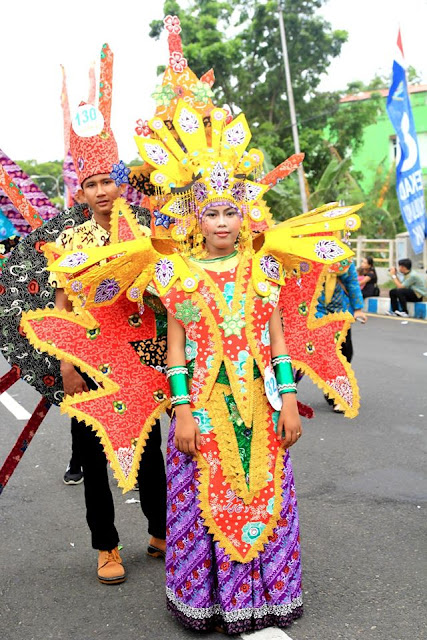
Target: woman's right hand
x,y
187,432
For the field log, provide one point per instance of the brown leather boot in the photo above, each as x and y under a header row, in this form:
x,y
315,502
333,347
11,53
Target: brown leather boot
x,y
110,567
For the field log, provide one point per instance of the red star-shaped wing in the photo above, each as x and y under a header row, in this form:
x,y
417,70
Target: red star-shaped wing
x,y
315,343
132,394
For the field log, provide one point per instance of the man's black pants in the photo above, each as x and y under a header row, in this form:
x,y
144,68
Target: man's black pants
x,y
402,295
99,500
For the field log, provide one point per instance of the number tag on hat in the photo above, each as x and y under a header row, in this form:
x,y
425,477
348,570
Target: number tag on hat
x,y
271,390
88,121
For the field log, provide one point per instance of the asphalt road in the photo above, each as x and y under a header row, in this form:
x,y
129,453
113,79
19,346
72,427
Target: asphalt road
x,y
362,497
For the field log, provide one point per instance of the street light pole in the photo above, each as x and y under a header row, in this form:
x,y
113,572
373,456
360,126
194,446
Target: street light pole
x,y
290,94
56,180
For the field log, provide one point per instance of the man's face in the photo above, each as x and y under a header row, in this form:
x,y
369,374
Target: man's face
x,y
100,191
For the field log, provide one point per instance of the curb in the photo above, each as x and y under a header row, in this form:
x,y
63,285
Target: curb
x,y
382,306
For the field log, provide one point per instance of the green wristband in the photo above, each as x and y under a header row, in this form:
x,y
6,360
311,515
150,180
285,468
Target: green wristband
x,y
178,383
284,374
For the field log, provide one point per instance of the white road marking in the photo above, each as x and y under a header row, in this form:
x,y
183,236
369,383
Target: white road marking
x,y
14,407
271,633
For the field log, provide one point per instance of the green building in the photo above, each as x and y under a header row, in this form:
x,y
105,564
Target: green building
x,y
379,139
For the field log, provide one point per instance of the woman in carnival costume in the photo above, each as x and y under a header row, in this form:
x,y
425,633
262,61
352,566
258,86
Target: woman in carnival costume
x,y
238,294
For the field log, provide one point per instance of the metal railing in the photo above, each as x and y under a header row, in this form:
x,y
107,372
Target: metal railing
x,y
383,250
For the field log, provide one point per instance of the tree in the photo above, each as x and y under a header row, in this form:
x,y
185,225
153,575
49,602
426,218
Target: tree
x,y
241,41
48,176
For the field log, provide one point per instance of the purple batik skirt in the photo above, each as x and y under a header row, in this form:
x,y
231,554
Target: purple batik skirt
x,y
204,588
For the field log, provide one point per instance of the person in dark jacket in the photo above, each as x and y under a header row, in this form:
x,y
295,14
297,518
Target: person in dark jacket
x,y
369,279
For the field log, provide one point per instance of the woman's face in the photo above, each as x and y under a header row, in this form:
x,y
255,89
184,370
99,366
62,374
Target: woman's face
x,y
220,226
365,264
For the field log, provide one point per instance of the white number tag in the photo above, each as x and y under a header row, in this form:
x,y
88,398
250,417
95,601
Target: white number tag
x,y
88,121
271,391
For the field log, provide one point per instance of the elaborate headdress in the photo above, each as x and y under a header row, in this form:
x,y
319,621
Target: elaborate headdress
x,y
98,153
196,155
68,171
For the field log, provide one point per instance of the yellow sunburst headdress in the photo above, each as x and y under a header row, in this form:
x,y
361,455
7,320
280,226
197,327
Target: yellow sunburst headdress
x,y
197,155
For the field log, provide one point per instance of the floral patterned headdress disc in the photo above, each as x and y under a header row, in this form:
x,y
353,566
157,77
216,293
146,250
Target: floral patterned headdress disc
x,y
195,154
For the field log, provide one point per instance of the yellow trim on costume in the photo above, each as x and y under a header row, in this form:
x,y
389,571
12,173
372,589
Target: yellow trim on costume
x,y
158,126
250,328
243,404
217,533
280,242
109,387
218,354
217,267
225,436
295,238
312,324
260,280
122,209
327,215
242,123
194,136
218,118
125,483
181,272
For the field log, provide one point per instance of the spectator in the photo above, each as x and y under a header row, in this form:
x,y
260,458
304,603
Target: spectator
x,y
411,289
369,278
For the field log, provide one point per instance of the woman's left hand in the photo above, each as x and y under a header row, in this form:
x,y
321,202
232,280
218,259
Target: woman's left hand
x,y
289,428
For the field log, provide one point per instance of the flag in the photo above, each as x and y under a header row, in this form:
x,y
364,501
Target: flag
x,y
409,183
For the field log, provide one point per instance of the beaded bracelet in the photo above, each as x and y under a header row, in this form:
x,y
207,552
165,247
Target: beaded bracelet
x,y
284,374
178,383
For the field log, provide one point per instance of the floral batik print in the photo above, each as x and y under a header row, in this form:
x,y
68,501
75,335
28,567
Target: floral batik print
x,y
204,588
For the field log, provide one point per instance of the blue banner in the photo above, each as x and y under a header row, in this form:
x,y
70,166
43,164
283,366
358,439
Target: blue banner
x,y
409,183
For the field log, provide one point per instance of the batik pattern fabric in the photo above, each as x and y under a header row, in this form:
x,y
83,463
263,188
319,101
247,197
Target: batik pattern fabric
x,y
233,558
204,586
133,390
24,286
97,154
117,346
240,488
315,343
70,176
89,234
30,191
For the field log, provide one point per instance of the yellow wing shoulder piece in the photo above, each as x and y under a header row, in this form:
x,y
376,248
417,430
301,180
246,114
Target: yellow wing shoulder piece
x,y
327,218
170,269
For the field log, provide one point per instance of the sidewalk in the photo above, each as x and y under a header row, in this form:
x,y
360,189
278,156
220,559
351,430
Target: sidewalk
x,y
381,305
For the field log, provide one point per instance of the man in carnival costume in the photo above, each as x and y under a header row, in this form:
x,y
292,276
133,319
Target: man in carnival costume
x,y
74,194
240,297
100,175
